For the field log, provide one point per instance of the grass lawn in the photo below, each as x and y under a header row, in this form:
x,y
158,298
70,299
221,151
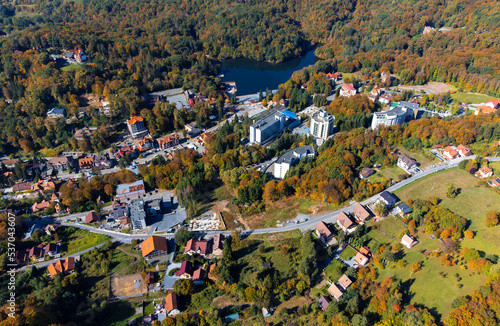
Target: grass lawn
x,y
391,225
470,97
347,253
119,261
423,157
72,67
387,172
276,236
75,240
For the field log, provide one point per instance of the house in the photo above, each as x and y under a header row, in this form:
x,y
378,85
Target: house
x,y
62,266
365,173
130,190
345,223
323,302
50,229
10,164
484,109
463,151
190,126
186,270
41,206
168,141
494,103
360,259
55,113
36,254
198,246
53,250
61,163
42,185
199,276
80,134
495,182
428,29
386,99
145,144
86,163
91,217
484,172
335,292
387,198
136,126
406,163
126,151
347,90
374,93
365,251
336,76
154,246
403,210
408,241
21,257
361,214
22,186
218,244
345,282
323,231
450,153
171,307
102,162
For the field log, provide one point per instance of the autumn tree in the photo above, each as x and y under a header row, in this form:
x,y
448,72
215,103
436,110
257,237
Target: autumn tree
x,y
491,219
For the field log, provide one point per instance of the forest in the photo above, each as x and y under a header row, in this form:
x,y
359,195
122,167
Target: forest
x,y
138,47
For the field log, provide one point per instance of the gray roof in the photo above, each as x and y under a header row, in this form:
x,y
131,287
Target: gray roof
x,y
137,214
295,153
407,160
267,119
57,111
404,208
388,197
413,106
397,111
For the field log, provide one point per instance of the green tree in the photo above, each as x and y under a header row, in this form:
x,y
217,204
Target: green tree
x,y
451,191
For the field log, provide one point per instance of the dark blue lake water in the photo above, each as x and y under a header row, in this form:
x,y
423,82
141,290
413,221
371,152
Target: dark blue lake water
x,y
251,76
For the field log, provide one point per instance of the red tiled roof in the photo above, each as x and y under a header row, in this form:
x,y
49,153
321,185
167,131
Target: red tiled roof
x,y
349,87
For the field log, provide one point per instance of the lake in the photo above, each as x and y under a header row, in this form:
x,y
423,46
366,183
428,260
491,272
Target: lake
x,y
252,76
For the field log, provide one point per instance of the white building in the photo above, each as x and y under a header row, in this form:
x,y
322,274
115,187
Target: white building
x,y
322,125
406,163
347,90
290,158
394,116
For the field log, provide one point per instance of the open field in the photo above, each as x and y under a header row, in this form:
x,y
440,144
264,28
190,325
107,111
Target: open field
x,y
472,98
495,166
430,88
473,202
422,285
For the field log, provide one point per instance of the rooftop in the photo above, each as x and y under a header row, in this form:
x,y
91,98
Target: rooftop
x,y
295,153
